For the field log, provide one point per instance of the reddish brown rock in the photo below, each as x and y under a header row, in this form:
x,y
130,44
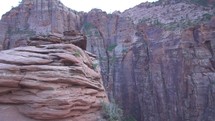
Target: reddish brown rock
x,y
68,37
36,17
157,66
49,82
157,59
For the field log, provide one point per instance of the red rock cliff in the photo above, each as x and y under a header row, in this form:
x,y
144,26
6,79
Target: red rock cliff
x,y
157,60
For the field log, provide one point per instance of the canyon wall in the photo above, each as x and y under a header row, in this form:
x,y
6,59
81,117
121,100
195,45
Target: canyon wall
x,y
157,59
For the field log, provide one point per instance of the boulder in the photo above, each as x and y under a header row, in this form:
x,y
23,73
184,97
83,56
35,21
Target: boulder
x,y
49,82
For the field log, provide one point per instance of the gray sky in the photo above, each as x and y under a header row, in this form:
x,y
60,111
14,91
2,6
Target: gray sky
x,y
83,5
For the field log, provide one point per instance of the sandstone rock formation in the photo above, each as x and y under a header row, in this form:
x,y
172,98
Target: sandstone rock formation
x,y
68,37
172,73
54,82
33,17
157,59
161,68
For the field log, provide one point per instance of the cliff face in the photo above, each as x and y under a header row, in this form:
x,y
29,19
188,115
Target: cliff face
x,y
52,81
173,73
33,17
157,60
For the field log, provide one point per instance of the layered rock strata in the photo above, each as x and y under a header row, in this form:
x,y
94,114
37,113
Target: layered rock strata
x,y
157,59
68,37
55,82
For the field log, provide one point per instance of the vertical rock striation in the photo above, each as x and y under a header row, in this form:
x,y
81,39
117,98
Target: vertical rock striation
x,y
33,17
152,59
157,59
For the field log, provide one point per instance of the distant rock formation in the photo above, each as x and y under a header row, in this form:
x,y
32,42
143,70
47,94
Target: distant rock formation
x,y
156,59
36,17
50,81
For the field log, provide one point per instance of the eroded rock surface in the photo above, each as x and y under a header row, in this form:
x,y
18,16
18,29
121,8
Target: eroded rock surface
x,y
68,37
157,59
55,82
161,68
173,74
36,17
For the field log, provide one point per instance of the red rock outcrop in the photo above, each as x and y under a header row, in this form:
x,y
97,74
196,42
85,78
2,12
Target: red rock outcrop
x,y
55,82
68,37
157,60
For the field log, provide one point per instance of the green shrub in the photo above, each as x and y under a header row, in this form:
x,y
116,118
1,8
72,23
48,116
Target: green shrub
x,y
130,118
97,34
95,65
77,53
111,47
200,2
144,20
111,111
155,22
87,27
207,17
171,26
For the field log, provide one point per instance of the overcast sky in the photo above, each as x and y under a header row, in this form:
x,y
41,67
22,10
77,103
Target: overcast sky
x,y
83,5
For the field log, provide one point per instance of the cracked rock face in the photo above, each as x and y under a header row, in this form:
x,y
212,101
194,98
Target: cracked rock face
x,y
49,82
172,74
36,17
157,59
157,71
